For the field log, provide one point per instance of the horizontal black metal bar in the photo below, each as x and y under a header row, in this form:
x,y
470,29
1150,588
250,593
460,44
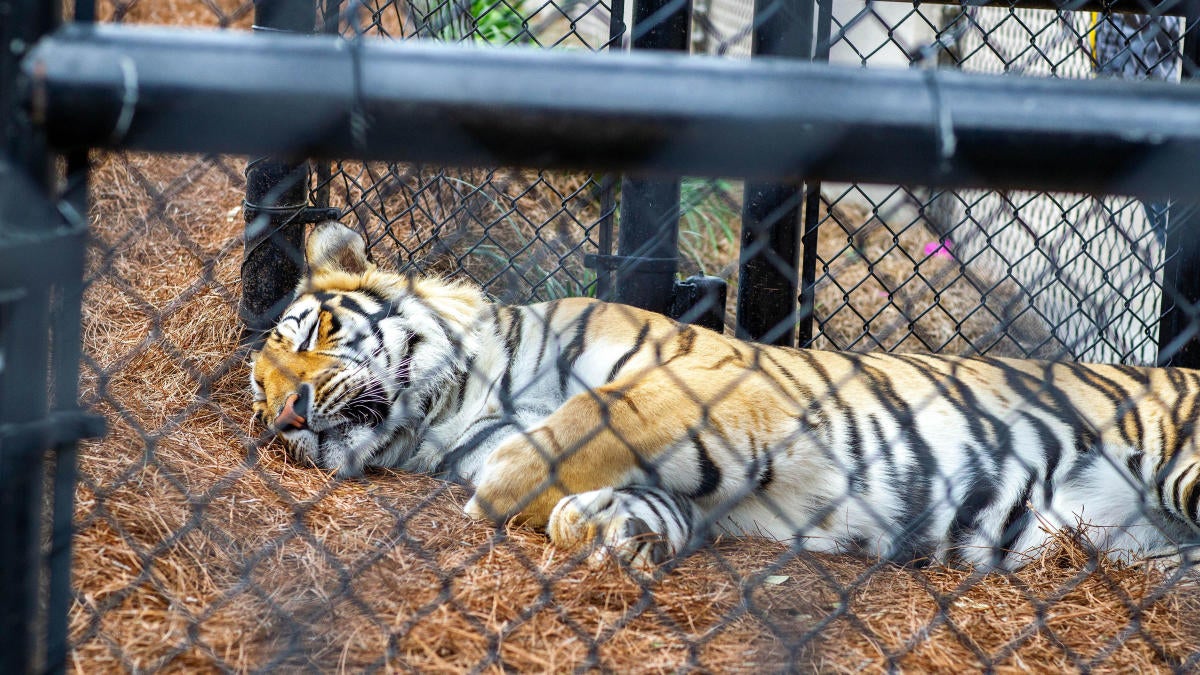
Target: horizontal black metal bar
x,y
1163,8
179,91
303,215
596,261
61,426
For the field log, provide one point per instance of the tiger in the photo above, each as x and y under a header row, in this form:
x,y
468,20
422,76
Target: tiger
x,y
626,435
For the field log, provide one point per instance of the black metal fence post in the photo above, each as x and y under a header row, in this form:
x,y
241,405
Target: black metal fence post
x,y
606,193
24,352
770,259
41,268
65,320
276,192
812,200
647,240
276,197
1177,328
24,326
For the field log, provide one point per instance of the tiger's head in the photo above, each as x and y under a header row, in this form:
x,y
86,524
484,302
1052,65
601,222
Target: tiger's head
x,y
349,372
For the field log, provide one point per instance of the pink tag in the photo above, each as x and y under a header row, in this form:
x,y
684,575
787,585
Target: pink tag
x,y
939,249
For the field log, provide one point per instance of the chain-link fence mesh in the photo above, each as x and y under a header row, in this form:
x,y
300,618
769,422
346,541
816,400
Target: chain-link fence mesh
x,y
522,235
201,543
1031,258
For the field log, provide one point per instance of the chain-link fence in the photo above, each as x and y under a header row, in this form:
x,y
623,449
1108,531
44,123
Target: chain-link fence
x,y
905,514
1032,258
522,235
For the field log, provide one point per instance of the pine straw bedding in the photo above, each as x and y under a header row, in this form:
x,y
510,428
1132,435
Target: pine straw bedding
x,y
197,550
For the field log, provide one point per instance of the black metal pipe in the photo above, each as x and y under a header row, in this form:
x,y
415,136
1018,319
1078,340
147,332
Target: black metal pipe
x,y
647,244
607,192
769,278
331,24
273,259
176,91
648,237
616,25
24,401
276,194
808,265
331,16
25,327
812,202
1179,324
607,198
65,355
22,24
26,178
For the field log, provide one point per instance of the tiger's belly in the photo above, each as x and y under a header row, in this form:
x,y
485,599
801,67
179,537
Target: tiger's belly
x,y
988,525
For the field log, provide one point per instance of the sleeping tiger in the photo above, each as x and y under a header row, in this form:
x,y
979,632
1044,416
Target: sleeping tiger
x,y
628,435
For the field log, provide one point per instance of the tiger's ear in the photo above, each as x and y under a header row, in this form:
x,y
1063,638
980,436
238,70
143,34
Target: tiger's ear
x,y
333,247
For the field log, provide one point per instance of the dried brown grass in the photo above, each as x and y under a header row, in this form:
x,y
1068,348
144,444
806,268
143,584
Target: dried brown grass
x,y
197,13
195,550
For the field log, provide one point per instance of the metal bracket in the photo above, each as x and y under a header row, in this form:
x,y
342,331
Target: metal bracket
x,y
629,263
700,300
291,214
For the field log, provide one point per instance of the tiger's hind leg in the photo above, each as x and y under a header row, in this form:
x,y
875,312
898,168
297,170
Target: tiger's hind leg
x,y
638,526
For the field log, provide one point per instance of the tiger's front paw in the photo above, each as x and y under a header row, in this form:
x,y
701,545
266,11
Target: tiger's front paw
x,y
604,523
515,483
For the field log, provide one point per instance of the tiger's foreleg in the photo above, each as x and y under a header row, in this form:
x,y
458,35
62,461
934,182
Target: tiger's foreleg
x,y
611,437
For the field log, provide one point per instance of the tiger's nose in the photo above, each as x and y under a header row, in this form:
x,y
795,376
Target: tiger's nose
x,y
295,411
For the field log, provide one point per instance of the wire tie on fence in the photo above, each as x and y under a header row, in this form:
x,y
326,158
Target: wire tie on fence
x,y
294,214
943,122
72,215
129,99
358,116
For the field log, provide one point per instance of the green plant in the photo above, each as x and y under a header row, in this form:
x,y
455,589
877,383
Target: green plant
x,y
710,214
485,21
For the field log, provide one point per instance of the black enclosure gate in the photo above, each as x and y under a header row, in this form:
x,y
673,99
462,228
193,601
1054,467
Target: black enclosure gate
x,y
329,115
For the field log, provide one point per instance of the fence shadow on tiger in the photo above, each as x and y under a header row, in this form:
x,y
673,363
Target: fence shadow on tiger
x,y
628,435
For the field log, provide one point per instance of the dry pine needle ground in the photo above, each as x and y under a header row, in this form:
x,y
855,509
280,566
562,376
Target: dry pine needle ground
x,y
196,549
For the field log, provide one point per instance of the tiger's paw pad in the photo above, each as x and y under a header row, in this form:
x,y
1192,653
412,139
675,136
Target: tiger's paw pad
x,y
602,522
